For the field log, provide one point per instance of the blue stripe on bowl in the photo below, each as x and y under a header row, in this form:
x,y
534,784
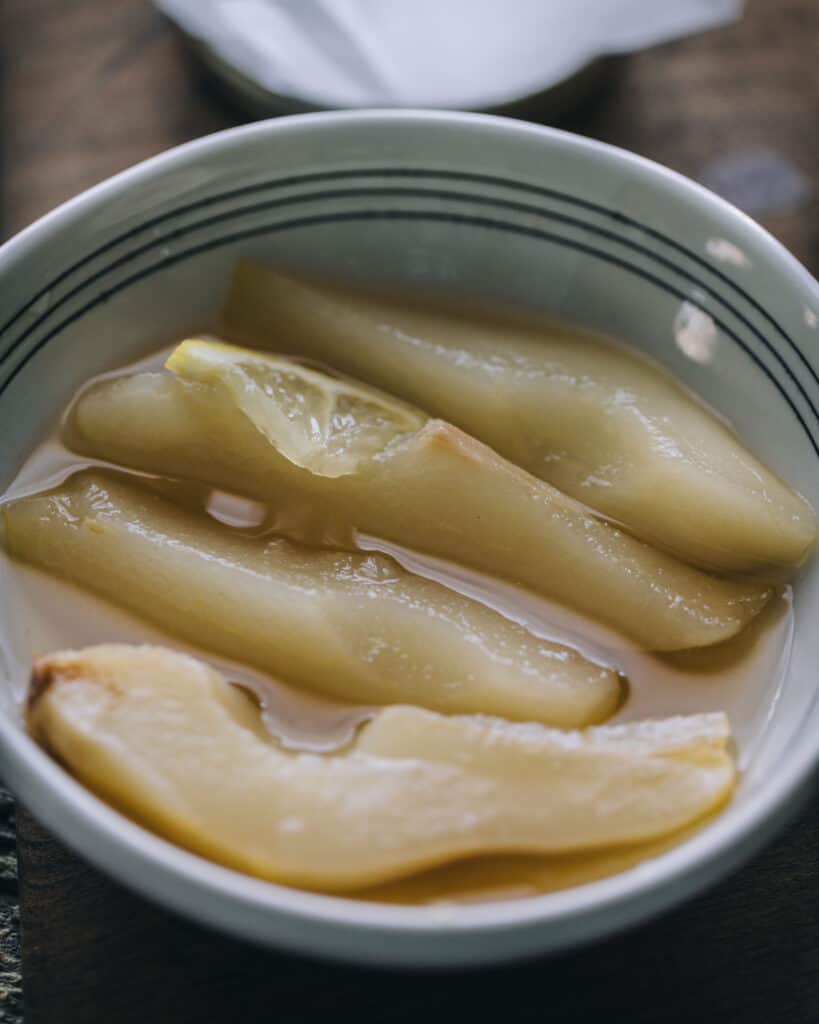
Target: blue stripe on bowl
x,y
399,192
616,216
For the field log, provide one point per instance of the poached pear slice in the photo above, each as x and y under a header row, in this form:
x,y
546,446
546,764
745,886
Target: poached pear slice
x,y
594,418
353,626
166,739
435,490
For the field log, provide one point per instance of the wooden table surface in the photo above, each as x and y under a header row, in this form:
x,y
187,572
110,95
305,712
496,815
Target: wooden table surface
x,y
91,86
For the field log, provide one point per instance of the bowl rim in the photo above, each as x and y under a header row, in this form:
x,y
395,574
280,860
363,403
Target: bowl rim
x,y
344,927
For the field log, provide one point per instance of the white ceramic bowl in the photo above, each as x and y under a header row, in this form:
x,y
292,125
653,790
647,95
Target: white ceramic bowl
x,y
475,205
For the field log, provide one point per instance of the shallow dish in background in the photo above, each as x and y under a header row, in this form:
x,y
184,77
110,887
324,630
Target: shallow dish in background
x,y
470,205
572,93
279,57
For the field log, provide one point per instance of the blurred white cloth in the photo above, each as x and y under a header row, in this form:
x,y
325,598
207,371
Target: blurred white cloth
x,y
429,53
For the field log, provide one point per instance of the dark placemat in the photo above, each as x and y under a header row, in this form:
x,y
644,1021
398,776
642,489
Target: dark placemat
x,y
91,86
11,989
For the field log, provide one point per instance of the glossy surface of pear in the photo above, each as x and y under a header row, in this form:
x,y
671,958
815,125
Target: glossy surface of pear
x,y
592,417
164,738
437,491
353,626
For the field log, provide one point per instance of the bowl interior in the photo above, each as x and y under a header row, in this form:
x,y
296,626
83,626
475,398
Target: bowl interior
x,y
469,206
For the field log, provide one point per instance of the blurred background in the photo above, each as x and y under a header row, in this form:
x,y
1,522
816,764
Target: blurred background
x,y
90,87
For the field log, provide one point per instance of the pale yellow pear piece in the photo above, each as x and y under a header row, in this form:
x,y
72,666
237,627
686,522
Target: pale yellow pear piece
x,y
435,490
350,625
592,417
164,738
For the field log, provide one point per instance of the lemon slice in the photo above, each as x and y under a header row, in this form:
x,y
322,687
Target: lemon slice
x,y
321,423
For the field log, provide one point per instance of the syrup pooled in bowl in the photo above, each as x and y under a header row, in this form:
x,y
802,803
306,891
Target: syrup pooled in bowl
x,y
740,676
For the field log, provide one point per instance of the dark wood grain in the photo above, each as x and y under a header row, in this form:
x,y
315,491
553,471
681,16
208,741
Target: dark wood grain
x,y
91,86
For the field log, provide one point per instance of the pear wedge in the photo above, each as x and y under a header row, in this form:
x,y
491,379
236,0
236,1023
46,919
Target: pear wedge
x,y
350,625
164,738
433,489
591,417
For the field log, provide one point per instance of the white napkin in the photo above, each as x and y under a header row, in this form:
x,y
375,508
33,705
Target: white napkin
x,y
429,53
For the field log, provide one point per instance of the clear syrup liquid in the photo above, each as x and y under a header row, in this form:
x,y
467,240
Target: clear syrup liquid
x,y
741,677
